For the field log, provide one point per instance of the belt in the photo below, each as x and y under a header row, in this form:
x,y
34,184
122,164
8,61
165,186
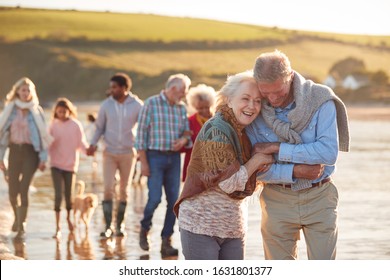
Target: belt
x,y
318,184
164,152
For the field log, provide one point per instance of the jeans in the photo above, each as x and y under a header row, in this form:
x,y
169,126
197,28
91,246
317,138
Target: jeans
x,y
204,247
164,172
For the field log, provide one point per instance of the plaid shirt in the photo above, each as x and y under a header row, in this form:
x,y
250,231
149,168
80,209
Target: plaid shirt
x,y
160,123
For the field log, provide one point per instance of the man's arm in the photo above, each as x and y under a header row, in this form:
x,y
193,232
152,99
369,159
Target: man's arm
x,y
323,149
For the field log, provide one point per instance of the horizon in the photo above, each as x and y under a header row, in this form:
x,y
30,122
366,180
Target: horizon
x,y
360,18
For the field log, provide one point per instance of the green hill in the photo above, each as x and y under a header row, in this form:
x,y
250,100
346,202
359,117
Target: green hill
x,y
73,54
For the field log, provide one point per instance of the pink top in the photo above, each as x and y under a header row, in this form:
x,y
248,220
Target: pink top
x,y
69,139
20,133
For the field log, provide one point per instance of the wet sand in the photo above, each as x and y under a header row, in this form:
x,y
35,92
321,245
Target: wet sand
x,y
362,178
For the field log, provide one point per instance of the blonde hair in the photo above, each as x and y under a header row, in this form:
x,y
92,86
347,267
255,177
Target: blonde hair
x,y
229,89
65,103
272,66
201,92
13,94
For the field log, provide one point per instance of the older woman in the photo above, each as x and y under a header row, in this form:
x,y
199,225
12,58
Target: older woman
x,y
212,209
23,130
201,99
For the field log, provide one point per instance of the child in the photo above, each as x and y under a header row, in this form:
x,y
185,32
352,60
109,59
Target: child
x,y
69,139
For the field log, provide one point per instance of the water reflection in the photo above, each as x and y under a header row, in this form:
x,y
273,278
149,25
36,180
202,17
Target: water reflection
x,y
20,247
114,248
78,247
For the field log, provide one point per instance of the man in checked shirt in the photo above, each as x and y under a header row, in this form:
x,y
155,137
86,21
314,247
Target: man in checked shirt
x,y
163,129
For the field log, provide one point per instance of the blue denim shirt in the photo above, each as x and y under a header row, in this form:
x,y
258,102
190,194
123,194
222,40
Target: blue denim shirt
x,y
34,134
319,144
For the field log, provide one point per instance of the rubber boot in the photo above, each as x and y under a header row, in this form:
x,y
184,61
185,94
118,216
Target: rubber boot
x,y
143,239
166,248
107,211
120,226
21,214
15,224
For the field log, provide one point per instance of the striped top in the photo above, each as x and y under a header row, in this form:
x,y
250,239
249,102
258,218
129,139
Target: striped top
x,y
160,123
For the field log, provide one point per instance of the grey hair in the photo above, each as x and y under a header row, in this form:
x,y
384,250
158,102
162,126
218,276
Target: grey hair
x,y
178,80
201,92
229,89
272,66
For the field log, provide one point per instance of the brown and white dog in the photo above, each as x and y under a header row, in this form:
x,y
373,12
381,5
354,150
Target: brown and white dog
x,y
85,203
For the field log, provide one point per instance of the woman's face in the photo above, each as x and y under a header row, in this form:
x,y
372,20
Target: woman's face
x,y
24,93
203,108
246,104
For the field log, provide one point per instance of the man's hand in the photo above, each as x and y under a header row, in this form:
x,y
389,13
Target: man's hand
x,y
305,171
179,143
2,165
266,148
145,171
91,150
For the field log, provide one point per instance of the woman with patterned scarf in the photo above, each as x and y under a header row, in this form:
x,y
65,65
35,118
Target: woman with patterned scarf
x,y
23,130
212,208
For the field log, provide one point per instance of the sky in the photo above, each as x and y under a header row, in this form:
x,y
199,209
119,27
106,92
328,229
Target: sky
x,y
369,17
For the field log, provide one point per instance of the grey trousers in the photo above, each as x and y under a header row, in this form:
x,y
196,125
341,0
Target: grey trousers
x,y
204,247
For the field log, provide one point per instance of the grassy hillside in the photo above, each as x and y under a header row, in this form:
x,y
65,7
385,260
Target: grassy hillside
x,y
70,53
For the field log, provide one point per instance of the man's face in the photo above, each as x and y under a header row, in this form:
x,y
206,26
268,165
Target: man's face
x,y
276,93
116,91
176,94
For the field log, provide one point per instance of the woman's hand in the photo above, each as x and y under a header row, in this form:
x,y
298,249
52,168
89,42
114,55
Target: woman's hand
x,y
264,161
42,166
259,162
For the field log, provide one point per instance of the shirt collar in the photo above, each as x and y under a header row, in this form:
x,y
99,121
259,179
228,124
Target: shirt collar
x,y
289,107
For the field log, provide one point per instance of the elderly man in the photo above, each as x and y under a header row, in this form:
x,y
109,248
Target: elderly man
x,y
163,129
304,125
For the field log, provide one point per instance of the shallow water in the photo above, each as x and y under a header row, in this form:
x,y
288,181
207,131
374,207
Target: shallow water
x,y
362,178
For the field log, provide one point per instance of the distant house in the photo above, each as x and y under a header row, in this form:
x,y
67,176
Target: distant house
x,y
355,81
330,81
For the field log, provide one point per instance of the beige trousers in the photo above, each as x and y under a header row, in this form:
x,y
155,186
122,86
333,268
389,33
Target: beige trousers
x,y
125,164
286,212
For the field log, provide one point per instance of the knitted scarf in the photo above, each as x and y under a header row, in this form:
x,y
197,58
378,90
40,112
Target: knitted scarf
x,y
308,98
36,112
220,149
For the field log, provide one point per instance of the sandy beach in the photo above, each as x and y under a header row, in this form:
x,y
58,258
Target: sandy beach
x,y
362,178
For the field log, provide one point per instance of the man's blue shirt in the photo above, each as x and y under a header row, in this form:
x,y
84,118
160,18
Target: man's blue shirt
x,y
319,144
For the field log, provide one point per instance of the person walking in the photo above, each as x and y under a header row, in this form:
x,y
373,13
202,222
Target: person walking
x,y
116,119
304,125
201,99
64,155
163,131
212,208
23,130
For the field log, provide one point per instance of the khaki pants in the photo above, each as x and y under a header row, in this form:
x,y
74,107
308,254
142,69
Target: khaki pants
x,y
286,212
125,164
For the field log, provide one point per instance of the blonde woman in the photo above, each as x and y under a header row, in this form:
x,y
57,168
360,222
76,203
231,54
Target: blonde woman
x,y
23,130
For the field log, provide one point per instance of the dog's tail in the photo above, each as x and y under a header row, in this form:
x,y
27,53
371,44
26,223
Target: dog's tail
x,y
81,187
